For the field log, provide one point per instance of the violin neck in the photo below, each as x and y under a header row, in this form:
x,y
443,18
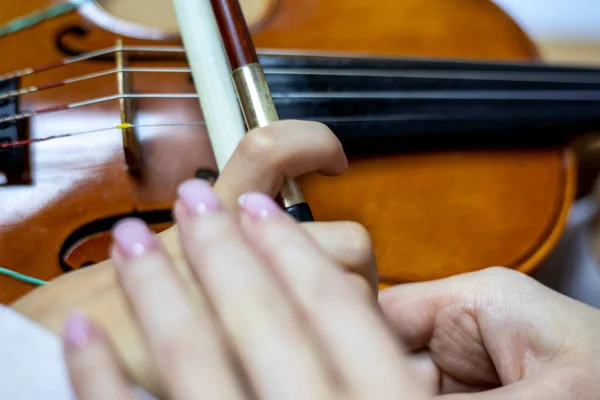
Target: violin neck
x,y
408,104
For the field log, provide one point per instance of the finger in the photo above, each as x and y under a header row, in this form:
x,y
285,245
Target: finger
x,y
349,245
424,369
412,309
91,361
271,342
432,377
353,335
267,155
556,383
183,339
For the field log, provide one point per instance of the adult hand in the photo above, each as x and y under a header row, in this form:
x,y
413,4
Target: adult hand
x,y
275,316
261,161
498,334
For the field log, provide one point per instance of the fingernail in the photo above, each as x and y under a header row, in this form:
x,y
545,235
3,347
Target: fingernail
x,y
133,237
198,197
345,161
259,205
78,331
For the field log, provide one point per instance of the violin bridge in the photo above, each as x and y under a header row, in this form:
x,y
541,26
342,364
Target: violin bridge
x,y
131,144
14,160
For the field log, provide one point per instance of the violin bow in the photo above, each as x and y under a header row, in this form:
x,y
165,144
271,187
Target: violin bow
x,y
231,84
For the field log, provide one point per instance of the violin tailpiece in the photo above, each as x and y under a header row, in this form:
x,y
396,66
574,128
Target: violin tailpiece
x,y
14,160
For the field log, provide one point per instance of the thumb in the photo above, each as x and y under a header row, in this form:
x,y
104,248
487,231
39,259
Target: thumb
x,y
411,309
555,383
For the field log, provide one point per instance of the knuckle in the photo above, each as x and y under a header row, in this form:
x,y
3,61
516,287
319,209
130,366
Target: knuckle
x,y
259,143
501,283
145,275
310,126
329,139
501,274
285,243
359,258
320,128
362,286
359,242
320,133
211,232
358,236
175,350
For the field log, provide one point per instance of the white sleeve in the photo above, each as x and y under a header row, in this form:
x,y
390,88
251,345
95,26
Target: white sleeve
x,y
32,366
31,360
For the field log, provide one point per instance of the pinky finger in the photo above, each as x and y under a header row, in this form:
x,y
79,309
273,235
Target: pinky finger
x,y
92,363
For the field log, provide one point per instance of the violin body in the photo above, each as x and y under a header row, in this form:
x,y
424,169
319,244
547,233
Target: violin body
x,y
430,214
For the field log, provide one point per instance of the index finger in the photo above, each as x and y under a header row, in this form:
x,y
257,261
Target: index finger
x,y
92,362
267,155
343,321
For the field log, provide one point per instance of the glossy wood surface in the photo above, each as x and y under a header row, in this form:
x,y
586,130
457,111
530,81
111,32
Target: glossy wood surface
x,y
235,33
430,215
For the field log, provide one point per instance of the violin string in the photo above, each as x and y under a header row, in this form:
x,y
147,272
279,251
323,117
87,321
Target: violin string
x,y
68,106
432,74
45,67
114,127
88,56
19,143
354,119
576,95
31,89
530,76
303,72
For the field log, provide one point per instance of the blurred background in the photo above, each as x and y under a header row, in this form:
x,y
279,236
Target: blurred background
x,y
565,31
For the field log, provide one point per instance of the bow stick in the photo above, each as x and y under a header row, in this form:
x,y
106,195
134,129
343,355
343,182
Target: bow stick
x,y
229,79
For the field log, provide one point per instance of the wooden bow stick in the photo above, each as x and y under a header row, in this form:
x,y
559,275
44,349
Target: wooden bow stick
x,y
228,77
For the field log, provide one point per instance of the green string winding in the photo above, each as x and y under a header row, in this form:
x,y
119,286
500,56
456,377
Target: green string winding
x,y
21,277
36,17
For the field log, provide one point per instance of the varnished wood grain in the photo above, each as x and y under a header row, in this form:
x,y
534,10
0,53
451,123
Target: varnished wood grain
x,y
430,215
235,33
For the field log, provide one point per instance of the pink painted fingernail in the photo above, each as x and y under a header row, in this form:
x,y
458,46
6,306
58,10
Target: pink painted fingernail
x,y
259,205
78,331
198,197
133,237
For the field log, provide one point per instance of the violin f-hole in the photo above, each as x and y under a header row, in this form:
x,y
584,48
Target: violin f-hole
x,y
90,243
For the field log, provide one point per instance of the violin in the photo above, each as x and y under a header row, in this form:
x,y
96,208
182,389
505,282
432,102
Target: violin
x,y
460,139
